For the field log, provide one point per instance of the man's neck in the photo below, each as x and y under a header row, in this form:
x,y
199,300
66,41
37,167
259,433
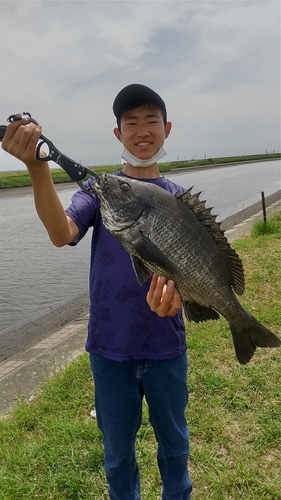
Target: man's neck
x,y
151,172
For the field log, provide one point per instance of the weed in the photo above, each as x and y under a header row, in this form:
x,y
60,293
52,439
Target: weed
x,y
264,227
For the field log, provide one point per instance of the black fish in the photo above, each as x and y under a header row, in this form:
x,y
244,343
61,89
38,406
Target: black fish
x,y
179,238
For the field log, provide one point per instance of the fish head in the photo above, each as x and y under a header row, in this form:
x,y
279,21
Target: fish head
x,y
124,201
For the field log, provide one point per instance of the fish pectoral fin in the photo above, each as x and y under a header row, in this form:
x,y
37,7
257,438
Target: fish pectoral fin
x,y
150,252
142,273
196,312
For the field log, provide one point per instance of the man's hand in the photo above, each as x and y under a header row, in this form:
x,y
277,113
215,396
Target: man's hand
x,y
20,140
163,297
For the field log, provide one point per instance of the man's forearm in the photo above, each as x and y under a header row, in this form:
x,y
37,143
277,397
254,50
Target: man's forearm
x,y
61,230
20,140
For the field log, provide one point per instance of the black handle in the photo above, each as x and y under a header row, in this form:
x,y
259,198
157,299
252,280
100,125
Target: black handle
x,y
75,171
3,129
51,155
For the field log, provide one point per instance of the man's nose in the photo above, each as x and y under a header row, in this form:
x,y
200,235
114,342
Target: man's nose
x,y
143,131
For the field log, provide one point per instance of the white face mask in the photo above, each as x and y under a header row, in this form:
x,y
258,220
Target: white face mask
x,y
136,162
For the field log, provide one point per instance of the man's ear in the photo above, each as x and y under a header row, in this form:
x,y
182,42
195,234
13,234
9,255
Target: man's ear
x,y
168,129
117,134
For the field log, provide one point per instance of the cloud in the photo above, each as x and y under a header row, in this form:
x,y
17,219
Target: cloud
x,y
215,63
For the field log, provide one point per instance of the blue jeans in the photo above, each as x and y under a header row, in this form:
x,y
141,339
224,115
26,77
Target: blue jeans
x,y
119,390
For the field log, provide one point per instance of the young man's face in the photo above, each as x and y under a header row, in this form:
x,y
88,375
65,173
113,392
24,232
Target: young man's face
x,y
142,131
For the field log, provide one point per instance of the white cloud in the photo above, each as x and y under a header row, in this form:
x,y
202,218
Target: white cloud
x,y
216,64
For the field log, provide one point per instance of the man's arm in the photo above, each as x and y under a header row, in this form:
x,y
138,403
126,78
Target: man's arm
x,y
20,141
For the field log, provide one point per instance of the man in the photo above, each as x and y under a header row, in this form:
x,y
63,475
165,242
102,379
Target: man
x,y
136,335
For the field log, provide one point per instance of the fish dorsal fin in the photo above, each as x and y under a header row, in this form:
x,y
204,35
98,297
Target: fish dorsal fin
x,y
209,222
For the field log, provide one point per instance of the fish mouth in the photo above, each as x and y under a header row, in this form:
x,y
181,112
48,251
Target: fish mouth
x,y
100,184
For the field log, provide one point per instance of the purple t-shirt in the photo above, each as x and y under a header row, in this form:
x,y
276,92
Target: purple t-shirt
x,y
122,326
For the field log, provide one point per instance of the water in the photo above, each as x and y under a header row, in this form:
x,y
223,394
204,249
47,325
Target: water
x,y
36,276
231,189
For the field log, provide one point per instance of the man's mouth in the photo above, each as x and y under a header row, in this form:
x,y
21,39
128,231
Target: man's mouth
x,y
144,143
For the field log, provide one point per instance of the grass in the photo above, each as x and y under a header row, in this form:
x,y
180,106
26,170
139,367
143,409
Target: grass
x,y
51,448
264,227
217,161
21,178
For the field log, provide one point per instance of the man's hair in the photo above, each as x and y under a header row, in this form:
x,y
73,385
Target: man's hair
x,y
136,95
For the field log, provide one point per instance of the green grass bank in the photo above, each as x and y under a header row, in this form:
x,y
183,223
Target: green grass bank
x,y
51,448
21,178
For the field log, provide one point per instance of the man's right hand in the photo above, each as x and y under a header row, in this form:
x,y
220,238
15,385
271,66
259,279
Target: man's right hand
x,y
20,141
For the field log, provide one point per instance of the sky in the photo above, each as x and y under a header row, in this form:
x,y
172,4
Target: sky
x,y
216,64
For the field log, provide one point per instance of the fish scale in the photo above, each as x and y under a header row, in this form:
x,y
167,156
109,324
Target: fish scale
x,y
179,238
191,263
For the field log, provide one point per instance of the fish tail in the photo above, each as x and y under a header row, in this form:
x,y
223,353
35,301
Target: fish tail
x,y
248,334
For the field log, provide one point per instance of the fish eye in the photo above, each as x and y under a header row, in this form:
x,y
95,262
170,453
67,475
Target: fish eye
x,y
124,186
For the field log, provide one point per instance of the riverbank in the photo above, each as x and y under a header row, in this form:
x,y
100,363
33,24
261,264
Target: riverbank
x,y
20,178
